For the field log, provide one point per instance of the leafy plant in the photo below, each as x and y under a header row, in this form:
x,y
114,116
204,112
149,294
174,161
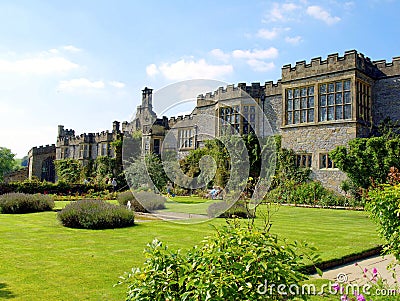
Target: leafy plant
x,y
92,214
366,161
233,264
15,203
68,170
383,205
223,209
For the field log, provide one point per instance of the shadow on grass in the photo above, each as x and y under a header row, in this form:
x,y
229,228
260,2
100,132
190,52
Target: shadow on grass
x,y
4,292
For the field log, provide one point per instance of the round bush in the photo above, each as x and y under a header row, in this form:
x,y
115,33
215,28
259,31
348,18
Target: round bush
x,y
148,201
223,209
15,203
93,214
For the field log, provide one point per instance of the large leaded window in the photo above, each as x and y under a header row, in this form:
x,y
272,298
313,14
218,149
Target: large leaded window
x,y
229,116
249,119
103,149
84,151
185,138
237,119
64,153
300,105
363,95
335,100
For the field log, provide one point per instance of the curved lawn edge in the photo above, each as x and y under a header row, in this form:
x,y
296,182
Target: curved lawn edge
x,y
337,262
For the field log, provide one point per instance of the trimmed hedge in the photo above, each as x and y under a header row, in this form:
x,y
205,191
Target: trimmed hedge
x,y
222,209
148,201
33,186
93,214
15,203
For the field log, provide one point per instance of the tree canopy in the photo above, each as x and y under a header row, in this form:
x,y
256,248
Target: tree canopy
x,y
7,162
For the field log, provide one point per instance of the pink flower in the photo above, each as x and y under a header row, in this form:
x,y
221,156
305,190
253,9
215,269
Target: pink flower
x,y
336,287
344,298
360,297
365,270
374,272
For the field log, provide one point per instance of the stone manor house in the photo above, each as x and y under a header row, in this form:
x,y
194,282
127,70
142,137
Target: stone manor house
x,y
315,107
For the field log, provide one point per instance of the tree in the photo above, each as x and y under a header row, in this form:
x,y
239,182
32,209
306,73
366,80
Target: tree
x,y
368,160
7,162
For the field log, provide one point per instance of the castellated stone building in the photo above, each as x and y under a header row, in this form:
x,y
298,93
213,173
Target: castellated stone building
x,y
315,107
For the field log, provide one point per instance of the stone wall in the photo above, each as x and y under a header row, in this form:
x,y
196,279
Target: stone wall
x,y
386,99
41,163
317,140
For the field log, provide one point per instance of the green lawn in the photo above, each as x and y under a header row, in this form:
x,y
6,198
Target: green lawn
x,y
42,260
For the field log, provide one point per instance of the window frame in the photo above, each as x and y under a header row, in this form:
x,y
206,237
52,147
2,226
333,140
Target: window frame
x,y
334,101
329,164
298,103
304,160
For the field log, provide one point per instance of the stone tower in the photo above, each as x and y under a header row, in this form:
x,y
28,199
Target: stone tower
x,y
144,114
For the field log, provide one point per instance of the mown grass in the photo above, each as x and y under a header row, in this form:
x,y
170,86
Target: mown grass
x,y
40,259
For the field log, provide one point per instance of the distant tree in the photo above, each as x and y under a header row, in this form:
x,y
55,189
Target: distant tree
x,y
7,161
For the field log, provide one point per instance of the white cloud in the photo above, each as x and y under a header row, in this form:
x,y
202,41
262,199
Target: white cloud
x,y
293,40
37,65
189,69
270,34
256,54
78,83
319,13
152,70
116,84
260,66
71,48
219,54
281,12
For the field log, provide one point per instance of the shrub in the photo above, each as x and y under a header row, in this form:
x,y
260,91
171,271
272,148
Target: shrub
x,y
383,205
309,193
15,203
236,263
92,214
142,201
238,209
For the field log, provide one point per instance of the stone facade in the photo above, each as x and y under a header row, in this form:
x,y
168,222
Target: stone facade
x,y
315,107
41,163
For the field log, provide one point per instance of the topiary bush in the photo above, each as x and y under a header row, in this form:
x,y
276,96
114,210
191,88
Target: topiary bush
x,y
15,203
93,214
142,201
238,209
236,263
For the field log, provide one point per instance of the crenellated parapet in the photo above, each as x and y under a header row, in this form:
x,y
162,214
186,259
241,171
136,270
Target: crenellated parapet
x,y
271,88
174,120
389,68
352,60
255,90
42,150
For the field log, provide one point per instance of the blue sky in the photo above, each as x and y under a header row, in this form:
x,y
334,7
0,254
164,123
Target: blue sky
x,y
83,63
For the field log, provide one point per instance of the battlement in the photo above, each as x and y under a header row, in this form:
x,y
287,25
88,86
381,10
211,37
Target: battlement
x,y
173,120
230,92
389,68
273,89
43,149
